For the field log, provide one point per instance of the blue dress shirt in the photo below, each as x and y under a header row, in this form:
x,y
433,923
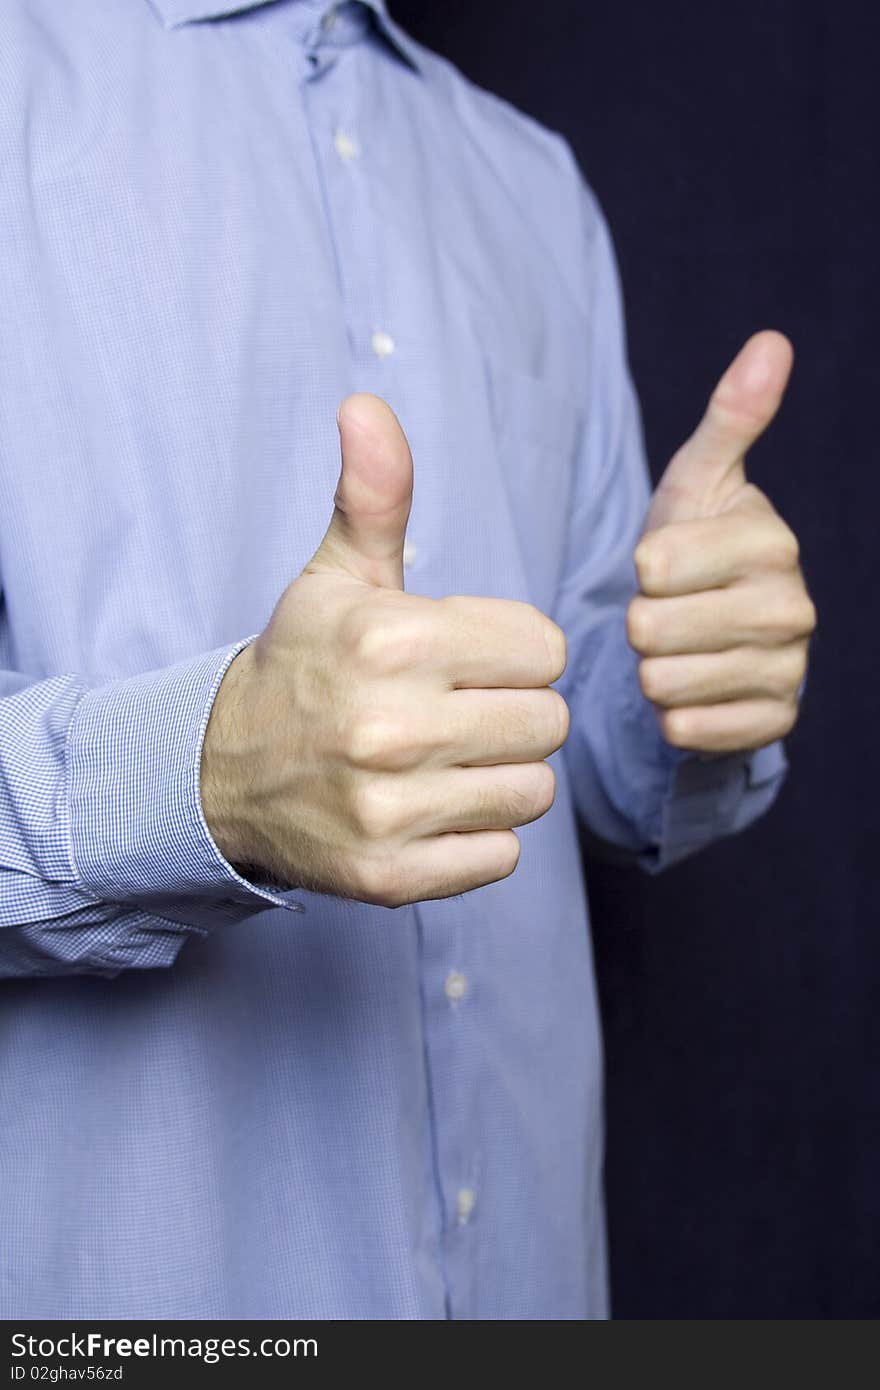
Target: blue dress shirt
x,y
218,219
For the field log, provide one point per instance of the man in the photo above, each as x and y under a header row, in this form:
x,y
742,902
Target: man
x,y
299,1017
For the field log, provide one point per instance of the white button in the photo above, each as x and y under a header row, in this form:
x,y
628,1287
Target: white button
x,y
455,986
464,1204
410,553
344,145
383,343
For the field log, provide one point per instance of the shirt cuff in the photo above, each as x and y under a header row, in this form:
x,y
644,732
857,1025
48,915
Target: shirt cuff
x,y
713,796
138,833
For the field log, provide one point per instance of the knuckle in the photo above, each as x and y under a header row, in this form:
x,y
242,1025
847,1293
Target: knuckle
x,y
639,625
652,562
371,646
549,634
557,647
810,616
677,727
795,617
788,718
785,546
378,742
368,740
790,673
651,680
507,855
531,795
374,810
382,642
544,790
377,881
560,719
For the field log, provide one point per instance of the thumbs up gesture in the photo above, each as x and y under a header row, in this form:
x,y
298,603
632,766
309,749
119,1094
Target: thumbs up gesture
x,y
723,619
377,744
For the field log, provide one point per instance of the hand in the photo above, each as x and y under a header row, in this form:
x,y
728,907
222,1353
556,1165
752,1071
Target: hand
x,y
376,744
723,619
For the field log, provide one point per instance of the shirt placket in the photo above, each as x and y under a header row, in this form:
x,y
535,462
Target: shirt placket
x,y
343,140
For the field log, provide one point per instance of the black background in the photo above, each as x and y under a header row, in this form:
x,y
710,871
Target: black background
x,y
734,150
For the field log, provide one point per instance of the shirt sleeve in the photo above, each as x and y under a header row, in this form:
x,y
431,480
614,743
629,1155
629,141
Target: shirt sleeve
x,y
106,859
635,792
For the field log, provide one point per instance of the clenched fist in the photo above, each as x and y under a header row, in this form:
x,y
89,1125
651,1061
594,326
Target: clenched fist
x,y
723,619
376,744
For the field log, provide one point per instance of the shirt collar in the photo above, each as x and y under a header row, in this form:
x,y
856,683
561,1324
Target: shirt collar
x,y
175,12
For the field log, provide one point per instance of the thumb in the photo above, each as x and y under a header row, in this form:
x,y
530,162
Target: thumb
x,y
373,496
710,465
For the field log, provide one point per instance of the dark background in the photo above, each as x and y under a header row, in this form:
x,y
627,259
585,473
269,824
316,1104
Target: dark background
x,y
734,150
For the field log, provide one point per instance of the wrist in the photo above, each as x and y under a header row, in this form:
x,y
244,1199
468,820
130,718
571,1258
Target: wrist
x,y
227,752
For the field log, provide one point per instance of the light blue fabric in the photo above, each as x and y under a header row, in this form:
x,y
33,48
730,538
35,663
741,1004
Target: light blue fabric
x,y
207,218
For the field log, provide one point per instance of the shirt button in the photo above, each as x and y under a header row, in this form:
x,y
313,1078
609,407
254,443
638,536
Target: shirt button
x,y
455,986
464,1204
382,343
344,145
410,554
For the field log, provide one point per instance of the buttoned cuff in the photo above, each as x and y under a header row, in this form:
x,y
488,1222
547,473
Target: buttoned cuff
x,y
138,833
